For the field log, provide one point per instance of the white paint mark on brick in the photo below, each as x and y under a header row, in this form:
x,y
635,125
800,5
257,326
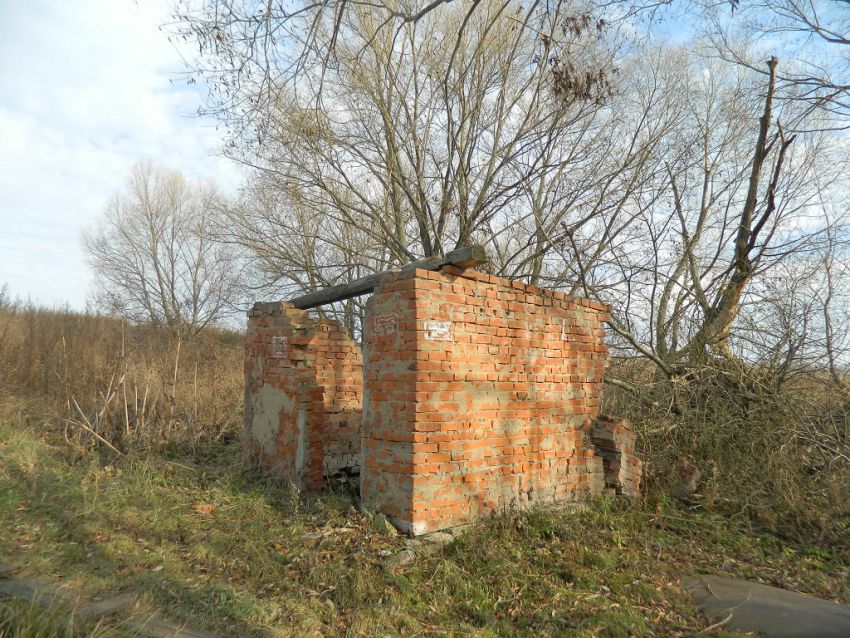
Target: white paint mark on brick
x,y
280,347
438,331
384,325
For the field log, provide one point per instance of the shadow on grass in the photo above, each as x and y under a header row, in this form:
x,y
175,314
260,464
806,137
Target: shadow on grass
x,y
197,540
203,542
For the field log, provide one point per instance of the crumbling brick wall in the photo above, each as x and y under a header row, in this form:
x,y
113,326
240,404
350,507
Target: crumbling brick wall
x,y
339,370
480,393
303,394
614,440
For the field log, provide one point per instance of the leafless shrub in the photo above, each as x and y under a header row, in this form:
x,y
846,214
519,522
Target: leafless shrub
x,y
775,459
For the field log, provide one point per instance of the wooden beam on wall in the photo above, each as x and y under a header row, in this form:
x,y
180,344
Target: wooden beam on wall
x,y
466,257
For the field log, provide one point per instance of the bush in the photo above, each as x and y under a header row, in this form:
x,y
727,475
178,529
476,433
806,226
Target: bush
x,y
777,457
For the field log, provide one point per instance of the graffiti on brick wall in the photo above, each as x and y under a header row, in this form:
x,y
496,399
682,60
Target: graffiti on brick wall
x,y
280,347
438,330
384,325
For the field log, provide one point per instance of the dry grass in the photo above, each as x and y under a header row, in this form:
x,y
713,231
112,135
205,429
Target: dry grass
x,y
775,457
200,540
107,384
173,517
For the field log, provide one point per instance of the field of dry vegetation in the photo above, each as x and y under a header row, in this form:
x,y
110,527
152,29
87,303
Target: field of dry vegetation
x,y
120,471
105,383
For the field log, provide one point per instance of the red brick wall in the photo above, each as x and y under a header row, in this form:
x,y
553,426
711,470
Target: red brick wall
x,y
339,370
479,394
303,392
390,393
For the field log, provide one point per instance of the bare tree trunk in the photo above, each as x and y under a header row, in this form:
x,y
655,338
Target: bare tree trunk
x,y
717,324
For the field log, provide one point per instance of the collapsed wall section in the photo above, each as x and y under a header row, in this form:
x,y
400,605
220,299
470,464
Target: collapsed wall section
x,y
480,393
303,394
614,439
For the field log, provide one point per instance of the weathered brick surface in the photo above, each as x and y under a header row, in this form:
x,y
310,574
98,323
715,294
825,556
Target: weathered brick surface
x,y
303,393
479,393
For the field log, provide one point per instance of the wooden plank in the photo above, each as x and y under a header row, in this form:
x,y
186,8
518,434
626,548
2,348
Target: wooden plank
x,y
341,292
465,257
468,257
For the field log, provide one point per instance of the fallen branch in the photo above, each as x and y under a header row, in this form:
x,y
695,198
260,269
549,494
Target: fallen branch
x,y
88,428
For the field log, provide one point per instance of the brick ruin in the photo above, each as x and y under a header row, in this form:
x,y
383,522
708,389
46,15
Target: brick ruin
x,y
474,393
303,395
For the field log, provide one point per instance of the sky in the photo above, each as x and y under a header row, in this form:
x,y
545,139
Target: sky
x,y
87,89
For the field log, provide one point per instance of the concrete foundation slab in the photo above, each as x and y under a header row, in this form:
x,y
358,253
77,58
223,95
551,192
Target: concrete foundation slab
x,y
772,612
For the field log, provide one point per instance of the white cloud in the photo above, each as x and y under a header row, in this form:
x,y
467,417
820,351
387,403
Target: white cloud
x,y
87,88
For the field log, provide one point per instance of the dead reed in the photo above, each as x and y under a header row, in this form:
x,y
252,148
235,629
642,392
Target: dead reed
x,y
104,383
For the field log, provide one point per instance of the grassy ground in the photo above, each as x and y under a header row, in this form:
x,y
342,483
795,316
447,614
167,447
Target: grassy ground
x,y
201,541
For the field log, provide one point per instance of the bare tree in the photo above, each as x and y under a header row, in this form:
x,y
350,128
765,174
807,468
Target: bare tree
x,y
293,248
515,137
249,49
671,186
811,36
735,204
153,255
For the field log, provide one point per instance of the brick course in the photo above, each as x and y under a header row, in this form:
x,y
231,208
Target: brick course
x,y
614,440
482,397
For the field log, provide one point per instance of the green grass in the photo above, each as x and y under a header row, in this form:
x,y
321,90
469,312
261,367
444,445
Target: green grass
x,y
267,562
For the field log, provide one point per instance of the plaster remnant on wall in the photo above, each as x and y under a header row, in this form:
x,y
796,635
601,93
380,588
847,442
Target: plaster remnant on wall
x,y
315,432
301,441
268,404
